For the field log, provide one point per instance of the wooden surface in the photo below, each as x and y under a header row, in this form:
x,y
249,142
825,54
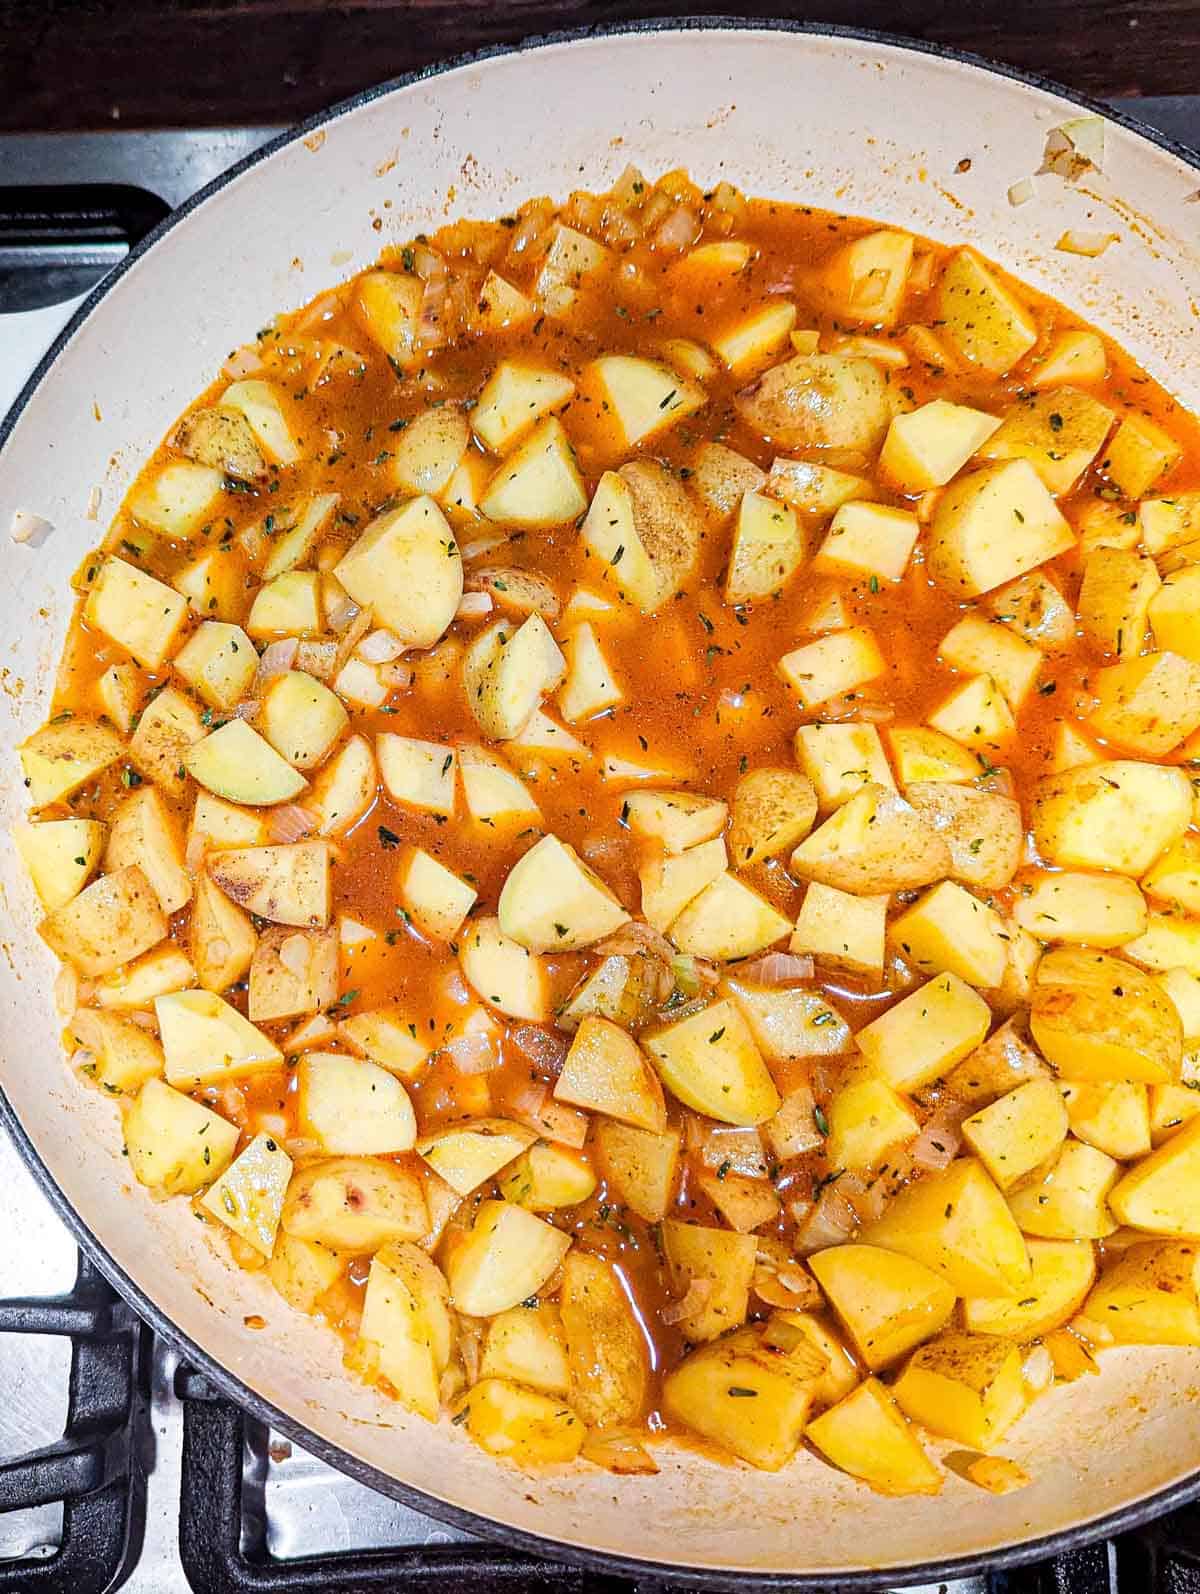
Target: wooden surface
x,y
88,63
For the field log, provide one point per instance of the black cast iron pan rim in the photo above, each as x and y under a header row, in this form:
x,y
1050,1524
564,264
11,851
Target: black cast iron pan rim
x,y
1134,1515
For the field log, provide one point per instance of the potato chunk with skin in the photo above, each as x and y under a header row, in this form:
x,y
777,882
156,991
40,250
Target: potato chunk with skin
x,y
1150,1295
60,855
1070,1201
406,568
1059,433
605,1348
768,548
248,1197
110,922
62,756
993,525
950,930
719,1258
966,1387
353,1108
999,1065
1148,704
169,725
747,1396
175,1144
1097,1017
711,1063
1112,1115
1019,1132
831,402
508,671
646,532
1161,1194
721,478
927,446
236,763
1117,815
956,1222
552,901
1063,1272
981,829
117,1054
1089,909
355,1204
926,1033
728,920
773,809
644,396
840,662
292,972
605,1071
406,1328
867,1436
886,1302
288,884
641,1166
874,843
505,1258
985,320
140,613
520,1425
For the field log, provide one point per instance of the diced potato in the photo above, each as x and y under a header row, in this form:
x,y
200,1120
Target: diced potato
x,y
1072,750
886,1302
302,1271
874,843
60,855
1175,878
428,450
956,1222
753,340
1118,586
977,647
1148,704
927,446
643,396
948,929
572,259
504,1259
216,584
1167,942
1096,1017
549,739
1070,1202
355,1204
1063,1272
669,882
864,281
1117,815
840,759
773,809
501,307
977,715
728,920
868,540
712,1064
1184,991
548,1176
518,591
790,1022
1161,1194
1003,1061
301,718
721,478
1034,608
236,763
407,569
179,499
926,1033
640,1166
143,834
223,944
353,1108
248,1197
205,1041
526,1344
294,539
512,400
644,531
262,406
922,754
867,1120
993,525
405,1326
985,320
1113,1116
768,548
866,1435
140,613
815,492
844,931
115,1053
841,1372
292,972
388,1038
1059,433
136,984
746,1395
719,1258
1139,454
169,725
606,1072
504,972
1071,357
507,672
122,691
708,268
389,306
745,1203
1090,909
539,484
219,662
288,884
469,1154
175,1144
422,774
1174,613
966,1387
520,1425
590,685
605,1348
1019,1132
677,819
552,901
288,606
110,922
436,898
837,663
1149,1295
833,402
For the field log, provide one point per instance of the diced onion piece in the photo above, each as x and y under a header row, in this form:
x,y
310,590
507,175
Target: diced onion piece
x,y
474,606
698,1291
831,1222
619,1452
482,545
342,614
66,991
475,1052
295,955
380,647
1075,147
277,658
544,1047
26,526
289,822
678,230
736,1150
396,677
937,1145
777,968
217,950
242,362
1088,244
1022,192
1037,1369
248,709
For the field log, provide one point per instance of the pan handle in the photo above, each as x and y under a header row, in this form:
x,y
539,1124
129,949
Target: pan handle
x,y
57,242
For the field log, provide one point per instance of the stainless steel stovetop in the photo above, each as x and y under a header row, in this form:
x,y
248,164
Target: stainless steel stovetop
x,y
292,1505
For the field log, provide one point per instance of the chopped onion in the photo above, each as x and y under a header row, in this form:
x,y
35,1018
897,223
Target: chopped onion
x,y
777,968
84,1059
677,231
831,1222
342,614
197,846
28,527
1022,192
1089,244
1075,147
95,498
323,308
475,1052
618,1452
739,1150
530,230
277,658
474,606
380,647
866,1201
397,677
794,1126
480,546
937,1144
693,1301
1037,1369
526,1100
636,938
247,710
242,362
295,954
544,1047
66,991
431,319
